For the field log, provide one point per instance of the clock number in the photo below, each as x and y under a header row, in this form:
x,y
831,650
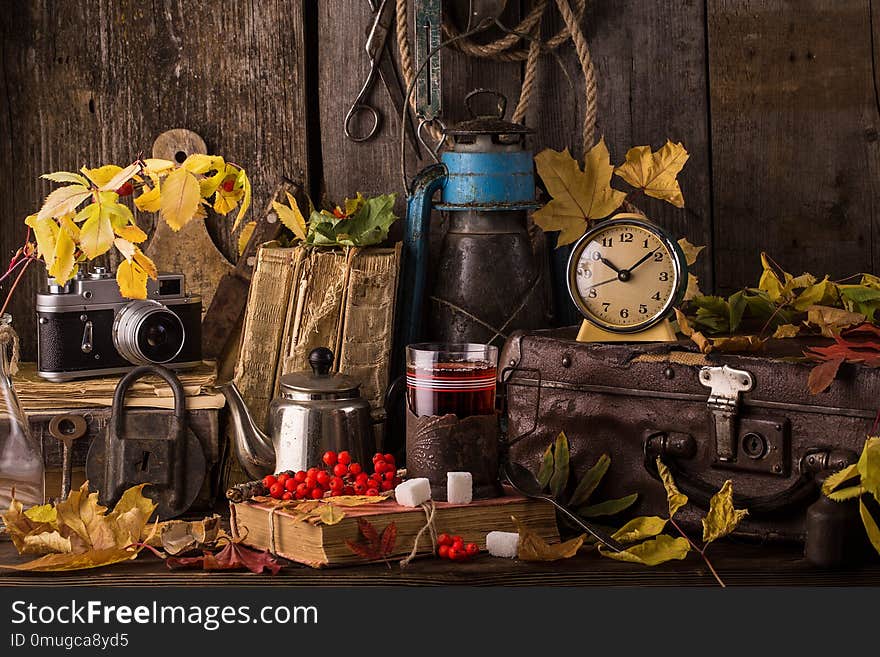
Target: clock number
x,y
643,309
607,241
644,244
592,294
658,257
587,273
656,296
626,237
664,275
596,255
605,307
624,313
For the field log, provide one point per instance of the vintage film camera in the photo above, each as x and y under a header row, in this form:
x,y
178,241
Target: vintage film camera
x,y
86,328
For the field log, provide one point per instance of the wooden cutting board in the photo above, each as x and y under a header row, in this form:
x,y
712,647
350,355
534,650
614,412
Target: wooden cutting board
x,y
190,251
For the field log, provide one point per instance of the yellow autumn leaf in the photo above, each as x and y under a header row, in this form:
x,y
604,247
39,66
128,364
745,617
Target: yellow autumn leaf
x,y
64,261
640,528
823,293
150,200
132,280
355,500
684,326
102,175
66,177
225,202
674,497
146,263
652,552
84,515
96,234
209,185
47,542
154,165
769,281
244,183
831,321
132,233
578,195
46,234
200,163
532,547
291,217
63,562
180,198
352,205
130,515
722,518
121,177
693,288
330,514
656,173
42,513
834,480
871,528
125,247
691,252
784,331
245,236
869,466
63,200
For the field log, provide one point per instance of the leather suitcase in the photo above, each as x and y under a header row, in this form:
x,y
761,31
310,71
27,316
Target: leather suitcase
x,y
748,418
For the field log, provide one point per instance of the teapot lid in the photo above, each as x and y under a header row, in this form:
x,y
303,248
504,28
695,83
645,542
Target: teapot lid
x,y
319,383
487,124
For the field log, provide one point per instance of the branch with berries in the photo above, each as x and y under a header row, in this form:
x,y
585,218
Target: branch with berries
x,y
84,218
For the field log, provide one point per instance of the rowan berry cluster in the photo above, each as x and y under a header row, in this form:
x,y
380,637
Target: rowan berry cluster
x,y
339,476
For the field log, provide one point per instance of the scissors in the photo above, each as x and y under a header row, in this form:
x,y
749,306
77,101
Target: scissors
x,y
381,64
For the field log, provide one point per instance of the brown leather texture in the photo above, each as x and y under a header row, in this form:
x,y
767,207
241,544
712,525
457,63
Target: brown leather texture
x,y
633,401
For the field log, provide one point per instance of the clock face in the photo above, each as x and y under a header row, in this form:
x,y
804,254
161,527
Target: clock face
x,y
625,275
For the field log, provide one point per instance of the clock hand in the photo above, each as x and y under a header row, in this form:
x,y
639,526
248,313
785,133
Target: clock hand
x,y
610,264
610,280
646,256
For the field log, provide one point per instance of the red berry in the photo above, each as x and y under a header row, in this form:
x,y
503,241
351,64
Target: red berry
x,y
348,490
443,551
317,493
276,490
303,488
386,485
290,485
444,539
355,469
287,496
344,458
329,458
268,480
300,477
312,472
390,476
453,554
323,479
472,549
380,466
228,185
340,469
126,189
362,477
457,543
282,478
377,456
372,492
336,484
389,458
311,482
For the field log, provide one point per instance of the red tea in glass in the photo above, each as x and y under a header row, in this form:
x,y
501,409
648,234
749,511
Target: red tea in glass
x,y
451,379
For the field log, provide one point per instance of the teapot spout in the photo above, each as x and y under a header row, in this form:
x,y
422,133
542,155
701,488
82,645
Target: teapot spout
x,y
253,448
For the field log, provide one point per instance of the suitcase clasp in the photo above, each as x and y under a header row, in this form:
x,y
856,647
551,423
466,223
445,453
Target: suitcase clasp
x,y
725,384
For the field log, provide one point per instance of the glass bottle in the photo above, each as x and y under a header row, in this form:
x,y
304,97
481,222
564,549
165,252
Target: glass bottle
x,y
21,456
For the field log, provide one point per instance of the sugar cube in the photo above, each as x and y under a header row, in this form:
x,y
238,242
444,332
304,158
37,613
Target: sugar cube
x,y
502,544
459,487
413,492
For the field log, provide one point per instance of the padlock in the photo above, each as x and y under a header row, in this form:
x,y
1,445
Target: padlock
x,y
148,448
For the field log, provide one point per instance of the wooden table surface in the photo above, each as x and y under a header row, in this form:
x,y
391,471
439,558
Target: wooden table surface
x,y
740,564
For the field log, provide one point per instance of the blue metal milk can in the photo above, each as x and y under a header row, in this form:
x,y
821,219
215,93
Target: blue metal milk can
x,y
490,280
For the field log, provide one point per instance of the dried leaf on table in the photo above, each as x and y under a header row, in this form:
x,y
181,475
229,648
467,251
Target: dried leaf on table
x,y
738,344
579,196
684,326
534,548
674,497
77,560
831,321
330,514
786,331
233,556
702,342
722,517
640,528
355,500
652,552
823,374
180,536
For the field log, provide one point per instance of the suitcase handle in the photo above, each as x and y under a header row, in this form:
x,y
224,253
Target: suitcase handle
x,y
801,492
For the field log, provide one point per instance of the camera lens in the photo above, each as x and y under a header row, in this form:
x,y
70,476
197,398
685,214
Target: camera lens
x,y
147,332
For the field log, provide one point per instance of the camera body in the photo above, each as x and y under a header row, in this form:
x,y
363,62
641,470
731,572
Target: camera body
x,y
87,328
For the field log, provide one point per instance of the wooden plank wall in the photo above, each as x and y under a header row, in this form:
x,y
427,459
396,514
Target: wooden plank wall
x,y
775,99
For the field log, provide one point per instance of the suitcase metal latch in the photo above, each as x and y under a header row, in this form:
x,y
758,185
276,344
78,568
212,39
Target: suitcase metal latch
x,y
726,385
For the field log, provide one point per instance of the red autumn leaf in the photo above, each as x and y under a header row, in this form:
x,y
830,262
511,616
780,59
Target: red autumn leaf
x,y
233,556
389,538
823,374
864,329
368,531
374,548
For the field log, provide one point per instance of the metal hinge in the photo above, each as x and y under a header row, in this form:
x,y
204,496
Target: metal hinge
x,y
725,384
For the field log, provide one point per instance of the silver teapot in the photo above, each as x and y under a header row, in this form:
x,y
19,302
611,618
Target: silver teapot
x,y
314,412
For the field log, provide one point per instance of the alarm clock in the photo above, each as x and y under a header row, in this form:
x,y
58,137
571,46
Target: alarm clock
x,y
625,275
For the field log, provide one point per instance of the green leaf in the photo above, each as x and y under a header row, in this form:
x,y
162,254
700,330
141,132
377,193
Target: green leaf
x,y
640,528
871,527
370,223
836,479
590,481
722,518
737,304
869,466
561,457
674,497
843,494
608,507
653,552
546,470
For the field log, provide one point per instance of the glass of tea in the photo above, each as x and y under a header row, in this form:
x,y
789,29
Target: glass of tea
x,y
456,379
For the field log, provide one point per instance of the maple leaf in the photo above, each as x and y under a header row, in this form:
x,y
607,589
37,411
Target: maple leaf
x,y
233,556
578,195
656,173
374,547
